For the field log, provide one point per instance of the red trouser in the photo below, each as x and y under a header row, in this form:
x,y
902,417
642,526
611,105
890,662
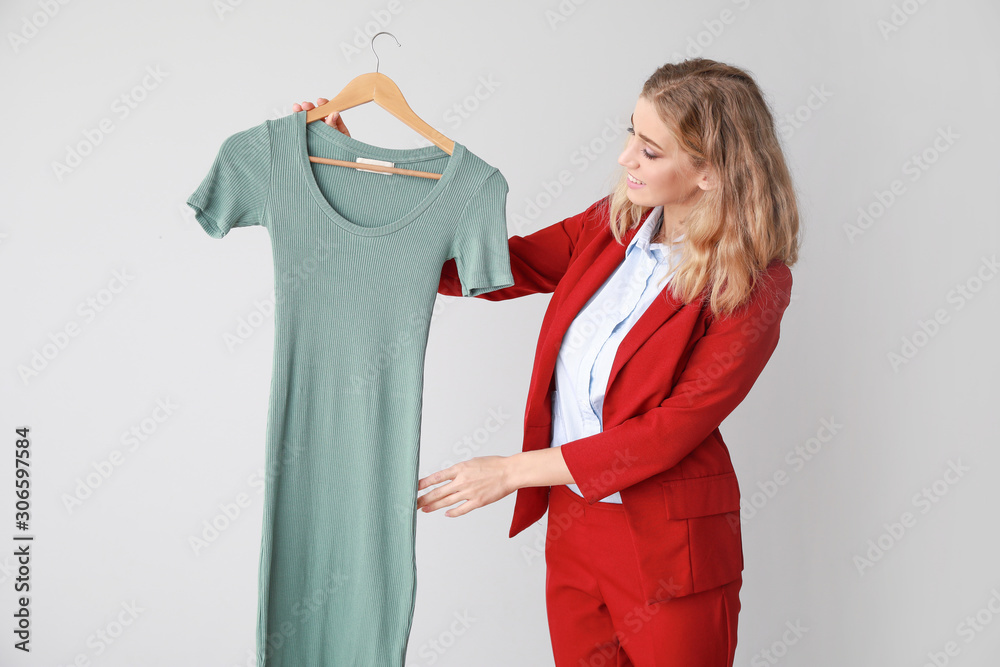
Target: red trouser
x,y
598,616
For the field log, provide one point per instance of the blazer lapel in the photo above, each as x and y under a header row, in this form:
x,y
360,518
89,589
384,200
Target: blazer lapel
x,y
659,311
596,264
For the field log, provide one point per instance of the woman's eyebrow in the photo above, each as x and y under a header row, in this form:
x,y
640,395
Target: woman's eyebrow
x,y
644,137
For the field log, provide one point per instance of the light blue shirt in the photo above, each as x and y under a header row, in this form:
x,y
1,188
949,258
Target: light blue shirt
x,y
589,346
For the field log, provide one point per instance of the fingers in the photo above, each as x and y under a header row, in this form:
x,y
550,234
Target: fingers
x,y
433,501
338,122
464,508
306,106
333,120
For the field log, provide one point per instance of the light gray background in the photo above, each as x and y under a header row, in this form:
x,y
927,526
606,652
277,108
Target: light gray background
x,y
856,104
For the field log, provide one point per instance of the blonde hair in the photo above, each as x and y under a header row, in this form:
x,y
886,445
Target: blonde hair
x,y
719,118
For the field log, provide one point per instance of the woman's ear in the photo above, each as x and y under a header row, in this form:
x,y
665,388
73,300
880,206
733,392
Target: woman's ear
x,y
707,178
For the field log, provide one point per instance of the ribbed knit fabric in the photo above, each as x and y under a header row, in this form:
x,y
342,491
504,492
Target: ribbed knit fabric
x,y
357,261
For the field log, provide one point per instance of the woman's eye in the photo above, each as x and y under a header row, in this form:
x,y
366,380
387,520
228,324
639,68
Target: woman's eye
x,y
631,130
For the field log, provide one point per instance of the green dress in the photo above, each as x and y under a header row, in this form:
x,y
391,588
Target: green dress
x,y
357,262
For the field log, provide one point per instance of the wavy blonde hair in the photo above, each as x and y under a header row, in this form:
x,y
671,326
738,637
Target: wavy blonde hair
x,y
719,118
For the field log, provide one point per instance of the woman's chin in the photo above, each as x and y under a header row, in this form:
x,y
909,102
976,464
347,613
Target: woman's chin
x,y
637,197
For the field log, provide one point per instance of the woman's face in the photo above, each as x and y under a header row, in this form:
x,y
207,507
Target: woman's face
x,y
665,173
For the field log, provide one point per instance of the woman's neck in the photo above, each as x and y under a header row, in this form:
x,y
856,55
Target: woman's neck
x,y
667,231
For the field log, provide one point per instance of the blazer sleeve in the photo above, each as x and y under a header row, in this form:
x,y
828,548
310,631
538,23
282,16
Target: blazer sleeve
x,y
723,366
537,261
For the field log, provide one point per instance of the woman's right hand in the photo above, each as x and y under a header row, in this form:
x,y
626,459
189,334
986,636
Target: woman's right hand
x,y
333,120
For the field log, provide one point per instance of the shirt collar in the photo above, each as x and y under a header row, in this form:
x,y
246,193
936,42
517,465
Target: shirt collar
x,y
648,230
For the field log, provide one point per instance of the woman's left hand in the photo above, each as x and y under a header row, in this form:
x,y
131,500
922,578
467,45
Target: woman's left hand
x,y
479,481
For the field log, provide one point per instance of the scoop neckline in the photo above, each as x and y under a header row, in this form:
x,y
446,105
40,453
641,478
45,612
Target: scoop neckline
x,y
363,149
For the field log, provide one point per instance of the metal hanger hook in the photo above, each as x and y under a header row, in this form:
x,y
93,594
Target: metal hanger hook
x,y
373,45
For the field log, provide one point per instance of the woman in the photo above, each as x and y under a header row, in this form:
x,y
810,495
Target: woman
x,y
667,299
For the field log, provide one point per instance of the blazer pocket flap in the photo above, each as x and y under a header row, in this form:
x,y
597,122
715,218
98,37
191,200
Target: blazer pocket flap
x,y
701,496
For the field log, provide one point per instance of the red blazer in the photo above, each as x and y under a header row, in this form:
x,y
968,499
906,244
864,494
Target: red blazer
x,y
677,374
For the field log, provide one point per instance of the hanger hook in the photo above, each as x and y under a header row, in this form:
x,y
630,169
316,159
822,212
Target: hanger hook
x,y
373,45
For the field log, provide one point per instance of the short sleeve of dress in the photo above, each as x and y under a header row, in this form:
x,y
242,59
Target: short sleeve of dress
x,y
234,191
480,243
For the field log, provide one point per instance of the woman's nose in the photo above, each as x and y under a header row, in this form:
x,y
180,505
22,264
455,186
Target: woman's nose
x,y
625,159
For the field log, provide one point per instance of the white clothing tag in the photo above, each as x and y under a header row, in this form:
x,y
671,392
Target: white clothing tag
x,y
365,160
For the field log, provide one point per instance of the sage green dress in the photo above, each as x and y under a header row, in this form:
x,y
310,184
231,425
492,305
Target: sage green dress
x,y
357,261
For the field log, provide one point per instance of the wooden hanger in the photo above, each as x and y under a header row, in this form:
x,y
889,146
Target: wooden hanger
x,y
380,89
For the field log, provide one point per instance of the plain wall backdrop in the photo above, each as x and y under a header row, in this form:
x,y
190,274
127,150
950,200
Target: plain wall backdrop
x,y
866,452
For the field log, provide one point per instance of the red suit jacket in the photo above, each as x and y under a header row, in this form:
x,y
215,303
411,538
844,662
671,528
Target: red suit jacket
x,y
676,375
